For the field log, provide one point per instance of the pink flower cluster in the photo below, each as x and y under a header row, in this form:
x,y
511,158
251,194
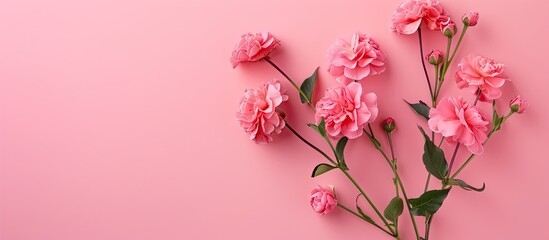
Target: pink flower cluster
x,y
460,122
345,109
355,60
258,115
481,73
411,14
253,47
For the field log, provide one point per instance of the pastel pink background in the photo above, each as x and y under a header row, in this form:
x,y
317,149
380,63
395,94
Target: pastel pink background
x,y
117,121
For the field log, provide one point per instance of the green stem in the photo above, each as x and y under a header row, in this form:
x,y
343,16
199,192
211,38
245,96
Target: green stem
x,y
459,42
428,226
359,216
291,81
437,83
407,204
440,143
309,144
346,174
427,182
423,63
394,164
444,68
474,155
371,131
399,181
453,158
368,200
478,96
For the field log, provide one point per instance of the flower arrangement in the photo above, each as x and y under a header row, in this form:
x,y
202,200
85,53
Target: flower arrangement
x,y
346,112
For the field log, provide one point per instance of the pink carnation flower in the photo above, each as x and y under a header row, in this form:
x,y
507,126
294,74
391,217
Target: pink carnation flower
x,y
323,199
409,16
458,121
355,60
345,110
253,47
258,116
518,105
481,73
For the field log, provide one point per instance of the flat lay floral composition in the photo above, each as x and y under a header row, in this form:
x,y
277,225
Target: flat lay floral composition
x,y
349,111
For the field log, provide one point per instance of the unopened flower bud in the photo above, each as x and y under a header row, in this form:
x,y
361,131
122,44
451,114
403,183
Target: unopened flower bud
x,y
389,125
448,28
518,105
470,19
435,57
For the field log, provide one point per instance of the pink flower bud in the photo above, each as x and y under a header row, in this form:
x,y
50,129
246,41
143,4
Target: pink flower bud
x,y
448,28
323,199
518,105
470,19
435,57
389,125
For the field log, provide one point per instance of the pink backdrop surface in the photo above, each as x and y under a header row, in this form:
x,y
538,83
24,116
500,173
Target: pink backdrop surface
x,y
117,122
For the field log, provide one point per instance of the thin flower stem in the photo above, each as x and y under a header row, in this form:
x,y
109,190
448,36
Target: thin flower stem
x,y
309,144
478,96
359,216
453,158
450,58
371,131
474,155
437,83
368,200
346,174
399,181
423,63
459,42
440,143
444,68
407,204
427,182
394,163
291,81
428,226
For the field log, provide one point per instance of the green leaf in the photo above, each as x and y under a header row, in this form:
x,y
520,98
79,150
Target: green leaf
x,y
433,158
322,127
464,185
428,203
322,168
314,127
394,209
496,119
308,87
376,143
420,108
366,217
340,147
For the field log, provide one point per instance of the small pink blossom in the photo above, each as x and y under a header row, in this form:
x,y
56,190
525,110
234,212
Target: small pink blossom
x,y
257,114
323,199
481,73
355,60
435,57
389,125
518,105
458,121
253,47
409,16
345,110
448,28
470,19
